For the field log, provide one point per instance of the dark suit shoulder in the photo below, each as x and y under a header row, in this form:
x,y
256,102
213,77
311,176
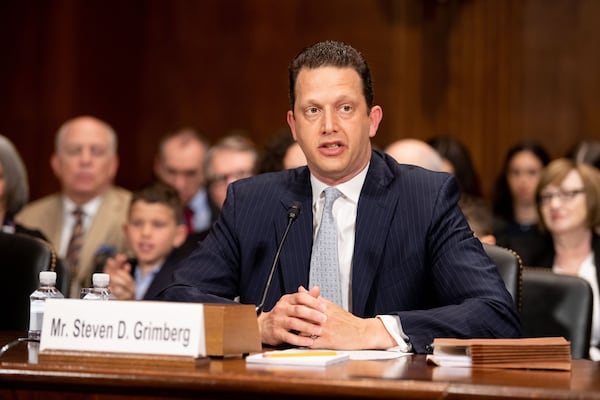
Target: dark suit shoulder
x,y
278,177
291,184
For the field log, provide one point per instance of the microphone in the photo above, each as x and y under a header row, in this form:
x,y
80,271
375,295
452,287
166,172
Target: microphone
x,y
292,214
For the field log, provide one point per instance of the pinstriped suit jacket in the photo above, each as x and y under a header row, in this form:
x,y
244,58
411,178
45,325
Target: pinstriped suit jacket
x,y
414,253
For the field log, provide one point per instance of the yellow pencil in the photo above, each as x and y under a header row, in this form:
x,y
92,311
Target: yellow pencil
x,y
301,354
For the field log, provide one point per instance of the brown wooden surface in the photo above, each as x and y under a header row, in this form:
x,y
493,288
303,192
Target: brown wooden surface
x,y
408,377
488,72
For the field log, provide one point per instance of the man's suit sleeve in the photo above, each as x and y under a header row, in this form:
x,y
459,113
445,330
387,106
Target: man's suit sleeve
x,y
209,274
463,280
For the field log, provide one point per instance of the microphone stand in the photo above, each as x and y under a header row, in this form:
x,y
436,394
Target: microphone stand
x,y
293,213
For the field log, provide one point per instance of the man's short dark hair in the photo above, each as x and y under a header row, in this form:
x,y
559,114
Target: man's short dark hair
x,y
160,193
335,54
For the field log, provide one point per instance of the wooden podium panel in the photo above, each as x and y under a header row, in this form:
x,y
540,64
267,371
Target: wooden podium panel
x,y
231,329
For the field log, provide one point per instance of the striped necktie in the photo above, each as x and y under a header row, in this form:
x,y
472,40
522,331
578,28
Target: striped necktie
x,y
75,243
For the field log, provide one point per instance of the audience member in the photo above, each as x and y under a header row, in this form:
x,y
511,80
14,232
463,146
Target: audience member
x,y
410,269
294,157
231,158
282,152
569,208
88,213
515,204
480,218
180,163
456,159
154,228
587,152
415,152
14,189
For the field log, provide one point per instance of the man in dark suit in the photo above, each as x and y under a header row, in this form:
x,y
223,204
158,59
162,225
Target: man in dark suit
x,y
410,269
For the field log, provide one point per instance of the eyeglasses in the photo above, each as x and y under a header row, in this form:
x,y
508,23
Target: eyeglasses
x,y
563,195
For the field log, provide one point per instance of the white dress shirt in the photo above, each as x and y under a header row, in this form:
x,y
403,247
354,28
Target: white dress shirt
x,y
199,204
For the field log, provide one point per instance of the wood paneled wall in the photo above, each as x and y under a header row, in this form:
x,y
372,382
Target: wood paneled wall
x,y
490,73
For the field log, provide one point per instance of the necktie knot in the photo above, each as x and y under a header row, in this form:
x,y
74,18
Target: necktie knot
x,y
78,213
331,195
188,215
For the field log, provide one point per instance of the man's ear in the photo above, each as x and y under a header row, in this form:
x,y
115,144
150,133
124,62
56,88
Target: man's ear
x,y
55,165
180,235
114,167
157,168
292,123
375,116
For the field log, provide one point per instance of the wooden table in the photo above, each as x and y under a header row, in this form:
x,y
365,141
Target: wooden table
x,y
408,377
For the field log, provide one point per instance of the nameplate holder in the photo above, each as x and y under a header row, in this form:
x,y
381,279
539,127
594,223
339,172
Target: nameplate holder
x,y
152,332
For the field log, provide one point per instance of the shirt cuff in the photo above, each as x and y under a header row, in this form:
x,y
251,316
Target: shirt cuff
x,y
394,327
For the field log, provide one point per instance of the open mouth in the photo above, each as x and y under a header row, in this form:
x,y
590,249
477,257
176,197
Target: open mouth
x,y
331,146
145,247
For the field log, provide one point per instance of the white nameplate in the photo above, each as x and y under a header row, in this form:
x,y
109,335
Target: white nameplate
x,y
142,327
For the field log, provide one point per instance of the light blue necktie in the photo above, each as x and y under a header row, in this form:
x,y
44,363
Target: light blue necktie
x,y
324,264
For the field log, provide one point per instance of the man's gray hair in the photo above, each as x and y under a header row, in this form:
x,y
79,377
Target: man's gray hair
x,y
112,135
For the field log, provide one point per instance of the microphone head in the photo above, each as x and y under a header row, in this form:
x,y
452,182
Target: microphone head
x,y
294,210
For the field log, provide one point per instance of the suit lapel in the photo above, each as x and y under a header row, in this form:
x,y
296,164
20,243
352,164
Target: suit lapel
x,y
375,208
295,255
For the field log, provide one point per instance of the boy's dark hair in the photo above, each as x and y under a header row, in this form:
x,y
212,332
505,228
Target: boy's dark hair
x,y
161,193
334,54
478,215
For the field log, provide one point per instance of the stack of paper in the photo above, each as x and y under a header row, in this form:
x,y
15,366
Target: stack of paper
x,y
298,357
532,353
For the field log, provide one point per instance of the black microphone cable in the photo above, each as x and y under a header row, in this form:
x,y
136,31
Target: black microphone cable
x,y
292,213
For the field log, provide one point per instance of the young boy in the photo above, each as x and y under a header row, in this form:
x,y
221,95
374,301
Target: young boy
x,y
153,230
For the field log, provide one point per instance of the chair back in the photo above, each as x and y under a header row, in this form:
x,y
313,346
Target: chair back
x,y
22,257
510,266
557,305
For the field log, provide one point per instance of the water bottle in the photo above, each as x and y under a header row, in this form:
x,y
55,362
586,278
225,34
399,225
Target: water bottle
x,y
37,302
100,290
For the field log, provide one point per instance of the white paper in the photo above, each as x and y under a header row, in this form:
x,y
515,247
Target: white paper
x,y
298,357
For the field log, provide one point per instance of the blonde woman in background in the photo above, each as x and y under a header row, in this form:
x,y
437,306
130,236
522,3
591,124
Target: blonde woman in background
x,y
569,206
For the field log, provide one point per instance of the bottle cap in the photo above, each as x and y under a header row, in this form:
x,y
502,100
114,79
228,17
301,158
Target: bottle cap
x,y
47,278
100,280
